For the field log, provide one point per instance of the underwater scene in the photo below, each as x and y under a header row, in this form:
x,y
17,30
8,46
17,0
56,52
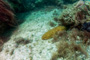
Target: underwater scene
x,y
44,29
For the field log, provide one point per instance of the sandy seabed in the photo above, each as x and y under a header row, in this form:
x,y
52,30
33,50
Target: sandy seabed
x,y
35,25
32,29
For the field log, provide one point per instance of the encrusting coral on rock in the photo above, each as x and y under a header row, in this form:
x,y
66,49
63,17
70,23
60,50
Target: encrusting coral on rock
x,y
75,14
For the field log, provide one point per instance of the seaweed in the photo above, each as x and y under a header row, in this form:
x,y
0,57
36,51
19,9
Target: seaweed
x,y
6,14
7,17
60,35
71,44
68,50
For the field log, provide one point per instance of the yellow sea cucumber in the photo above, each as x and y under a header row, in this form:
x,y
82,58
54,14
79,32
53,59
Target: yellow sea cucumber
x,y
51,33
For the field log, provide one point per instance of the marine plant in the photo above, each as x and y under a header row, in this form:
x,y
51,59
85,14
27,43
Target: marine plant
x,y
67,50
60,35
71,43
74,42
6,16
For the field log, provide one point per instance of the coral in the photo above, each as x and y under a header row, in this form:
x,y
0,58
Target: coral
x,y
52,32
74,42
73,16
67,17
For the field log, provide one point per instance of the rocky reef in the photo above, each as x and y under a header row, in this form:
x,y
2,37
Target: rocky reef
x,y
75,15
